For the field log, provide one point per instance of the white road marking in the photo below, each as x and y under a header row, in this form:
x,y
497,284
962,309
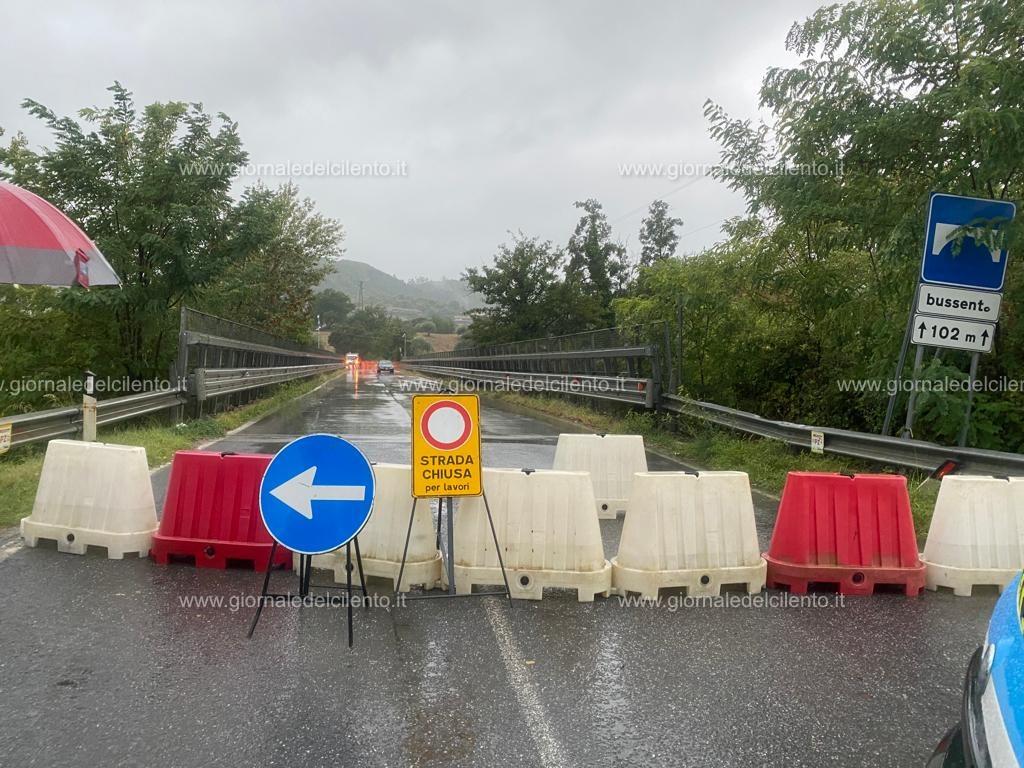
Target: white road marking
x,y
537,721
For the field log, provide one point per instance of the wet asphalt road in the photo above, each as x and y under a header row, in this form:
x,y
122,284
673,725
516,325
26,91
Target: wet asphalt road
x,y
100,664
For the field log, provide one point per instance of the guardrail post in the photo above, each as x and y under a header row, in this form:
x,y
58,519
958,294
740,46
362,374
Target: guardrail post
x,y
179,369
654,387
198,382
668,361
88,419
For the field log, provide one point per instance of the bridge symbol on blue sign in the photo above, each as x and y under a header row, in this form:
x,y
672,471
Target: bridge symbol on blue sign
x,y
975,264
317,494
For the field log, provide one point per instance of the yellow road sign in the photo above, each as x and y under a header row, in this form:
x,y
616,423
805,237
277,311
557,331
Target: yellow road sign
x,y
446,446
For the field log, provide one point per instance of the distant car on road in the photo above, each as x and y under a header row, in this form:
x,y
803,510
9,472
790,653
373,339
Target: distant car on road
x,y
385,366
989,733
352,359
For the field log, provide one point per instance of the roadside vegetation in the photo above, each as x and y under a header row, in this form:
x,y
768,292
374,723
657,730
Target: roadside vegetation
x,y
799,312
705,446
19,469
153,188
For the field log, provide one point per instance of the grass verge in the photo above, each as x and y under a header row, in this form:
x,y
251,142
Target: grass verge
x,y
19,470
705,446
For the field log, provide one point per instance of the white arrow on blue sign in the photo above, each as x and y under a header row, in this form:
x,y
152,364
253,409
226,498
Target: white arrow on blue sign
x,y
974,264
317,494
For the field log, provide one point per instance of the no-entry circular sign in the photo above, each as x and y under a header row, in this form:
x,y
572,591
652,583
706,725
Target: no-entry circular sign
x,y
446,425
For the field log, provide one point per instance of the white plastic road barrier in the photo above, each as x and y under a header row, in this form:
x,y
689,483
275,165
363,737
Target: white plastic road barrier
x,y
976,536
93,495
686,530
383,537
611,460
547,530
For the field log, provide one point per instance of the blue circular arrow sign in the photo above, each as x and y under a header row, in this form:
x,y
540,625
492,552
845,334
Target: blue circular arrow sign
x,y
316,494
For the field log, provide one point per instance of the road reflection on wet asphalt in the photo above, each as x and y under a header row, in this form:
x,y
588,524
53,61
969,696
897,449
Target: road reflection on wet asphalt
x,y
103,664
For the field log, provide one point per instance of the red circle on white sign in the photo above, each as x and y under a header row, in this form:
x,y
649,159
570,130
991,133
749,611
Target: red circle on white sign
x,y
446,425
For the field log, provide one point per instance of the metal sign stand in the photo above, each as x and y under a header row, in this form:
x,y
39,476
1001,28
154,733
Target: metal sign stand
x,y
971,378
305,577
449,553
904,348
908,425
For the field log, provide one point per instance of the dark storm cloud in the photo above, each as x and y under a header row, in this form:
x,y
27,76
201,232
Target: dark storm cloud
x,y
503,114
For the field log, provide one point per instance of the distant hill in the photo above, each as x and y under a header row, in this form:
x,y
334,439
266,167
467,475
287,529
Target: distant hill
x,y
407,299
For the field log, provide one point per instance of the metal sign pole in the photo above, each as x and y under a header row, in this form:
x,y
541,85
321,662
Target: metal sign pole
x,y
901,361
450,521
908,425
449,556
348,588
970,400
497,549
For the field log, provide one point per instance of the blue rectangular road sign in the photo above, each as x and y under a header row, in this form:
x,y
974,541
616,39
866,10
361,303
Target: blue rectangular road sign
x,y
975,265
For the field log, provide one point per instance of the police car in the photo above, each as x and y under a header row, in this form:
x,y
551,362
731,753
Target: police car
x,y
991,728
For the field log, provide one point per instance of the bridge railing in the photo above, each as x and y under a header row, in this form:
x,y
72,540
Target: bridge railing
x,y
563,366
609,353
219,363
224,363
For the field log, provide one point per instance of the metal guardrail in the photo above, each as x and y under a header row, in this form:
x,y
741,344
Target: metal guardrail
x,y
216,357
131,407
212,382
209,382
602,340
456,356
879,448
67,422
218,331
43,425
916,454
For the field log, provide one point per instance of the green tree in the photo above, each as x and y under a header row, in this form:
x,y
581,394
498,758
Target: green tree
x,y
597,266
417,346
443,324
332,307
658,238
279,249
892,100
153,191
521,292
42,346
373,333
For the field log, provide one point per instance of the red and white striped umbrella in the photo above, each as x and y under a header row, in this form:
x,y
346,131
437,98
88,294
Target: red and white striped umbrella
x,y
40,245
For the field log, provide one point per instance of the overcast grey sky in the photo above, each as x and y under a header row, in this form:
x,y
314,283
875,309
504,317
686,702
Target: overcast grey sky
x,y
503,113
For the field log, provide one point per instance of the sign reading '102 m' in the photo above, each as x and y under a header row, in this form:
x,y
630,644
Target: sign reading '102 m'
x,y
953,333
446,446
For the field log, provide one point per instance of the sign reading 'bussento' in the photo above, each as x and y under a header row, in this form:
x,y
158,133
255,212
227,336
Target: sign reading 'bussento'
x,y
446,446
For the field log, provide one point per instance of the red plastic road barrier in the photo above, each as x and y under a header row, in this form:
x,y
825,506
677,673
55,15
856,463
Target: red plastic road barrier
x,y
212,512
856,532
